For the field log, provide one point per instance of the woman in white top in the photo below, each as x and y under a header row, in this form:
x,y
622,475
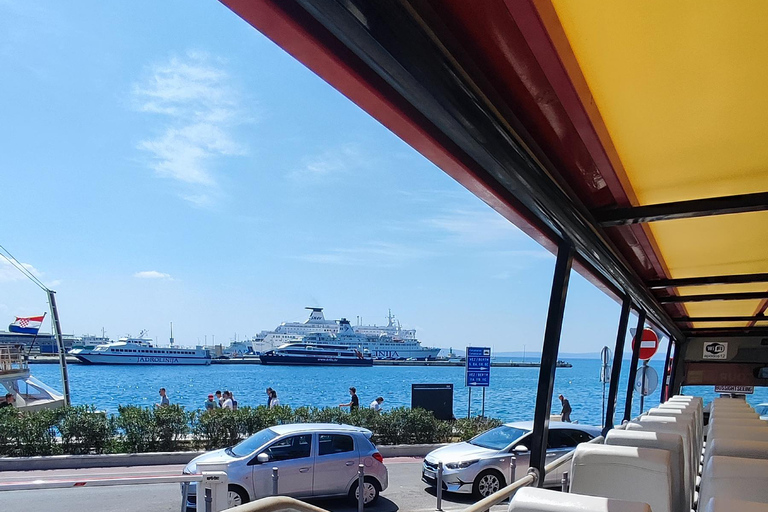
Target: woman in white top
x,y
227,403
273,401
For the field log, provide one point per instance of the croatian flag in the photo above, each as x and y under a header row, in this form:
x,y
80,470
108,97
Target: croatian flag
x,y
26,325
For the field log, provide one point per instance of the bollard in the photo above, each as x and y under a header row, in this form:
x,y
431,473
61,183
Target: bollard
x,y
275,476
512,469
184,497
208,500
439,486
565,481
360,487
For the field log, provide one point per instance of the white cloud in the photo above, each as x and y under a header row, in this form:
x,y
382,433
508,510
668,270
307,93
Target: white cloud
x,y
474,226
9,273
152,274
340,160
198,108
373,254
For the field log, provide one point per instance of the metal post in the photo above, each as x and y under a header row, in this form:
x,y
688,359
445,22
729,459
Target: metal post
x,y
549,352
360,487
184,496
208,500
565,482
675,365
664,396
439,487
60,342
275,477
618,353
482,414
512,469
642,386
633,364
469,403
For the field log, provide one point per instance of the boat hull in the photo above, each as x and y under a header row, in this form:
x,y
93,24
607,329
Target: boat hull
x,y
313,360
141,360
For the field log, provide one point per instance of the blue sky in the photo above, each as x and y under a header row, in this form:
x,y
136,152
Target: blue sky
x,y
164,161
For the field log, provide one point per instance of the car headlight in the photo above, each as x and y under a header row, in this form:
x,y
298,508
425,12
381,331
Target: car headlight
x,y
460,465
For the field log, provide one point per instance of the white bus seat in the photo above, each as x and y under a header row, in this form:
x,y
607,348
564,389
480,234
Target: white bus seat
x,y
728,422
733,505
532,499
734,477
694,453
736,448
672,428
688,407
690,416
751,433
733,413
623,473
673,443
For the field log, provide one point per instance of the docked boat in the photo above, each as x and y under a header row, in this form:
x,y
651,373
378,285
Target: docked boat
x,y
15,377
305,354
140,350
383,342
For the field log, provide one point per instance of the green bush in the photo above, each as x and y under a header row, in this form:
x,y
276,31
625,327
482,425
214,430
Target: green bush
x,y
84,430
467,428
34,433
217,428
172,425
137,427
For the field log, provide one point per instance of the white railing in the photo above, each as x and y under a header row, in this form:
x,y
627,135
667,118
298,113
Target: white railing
x,y
12,359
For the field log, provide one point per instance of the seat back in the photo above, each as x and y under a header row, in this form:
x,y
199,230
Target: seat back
x,y
673,443
532,499
686,430
725,422
734,477
736,447
687,415
623,473
732,505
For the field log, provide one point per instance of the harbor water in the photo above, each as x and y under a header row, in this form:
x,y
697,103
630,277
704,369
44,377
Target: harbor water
x,y
510,397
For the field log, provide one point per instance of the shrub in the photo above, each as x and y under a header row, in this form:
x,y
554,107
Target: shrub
x,y
171,425
84,430
138,428
467,428
34,433
217,428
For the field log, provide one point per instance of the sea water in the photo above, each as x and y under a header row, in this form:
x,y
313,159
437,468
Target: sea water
x,y
510,397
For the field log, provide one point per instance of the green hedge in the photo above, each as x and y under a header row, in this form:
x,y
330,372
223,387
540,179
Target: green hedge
x,y
83,430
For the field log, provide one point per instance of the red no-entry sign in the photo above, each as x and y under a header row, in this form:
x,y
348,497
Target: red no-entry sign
x,y
649,344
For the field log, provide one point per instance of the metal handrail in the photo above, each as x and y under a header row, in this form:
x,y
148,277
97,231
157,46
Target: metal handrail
x,y
500,495
568,456
277,504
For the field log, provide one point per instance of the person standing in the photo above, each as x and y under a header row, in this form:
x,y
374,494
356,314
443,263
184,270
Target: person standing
x,y
8,402
164,401
376,404
210,403
219,398
354,401
227,403
565,413
269,397
273,400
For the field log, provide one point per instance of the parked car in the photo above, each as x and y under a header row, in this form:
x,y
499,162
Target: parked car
x,y
313,460
482,465
762,410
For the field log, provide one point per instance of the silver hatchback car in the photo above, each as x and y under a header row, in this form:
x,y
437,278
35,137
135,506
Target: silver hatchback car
x,y
313,460
482,465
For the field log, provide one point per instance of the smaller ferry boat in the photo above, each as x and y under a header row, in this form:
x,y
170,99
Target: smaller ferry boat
x,y
140,350
304,354
29,393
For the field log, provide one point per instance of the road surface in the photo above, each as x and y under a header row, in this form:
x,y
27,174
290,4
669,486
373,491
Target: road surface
x,y
406,492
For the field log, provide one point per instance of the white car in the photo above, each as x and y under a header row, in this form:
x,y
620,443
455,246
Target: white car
x,y
481,466
313,459
762,410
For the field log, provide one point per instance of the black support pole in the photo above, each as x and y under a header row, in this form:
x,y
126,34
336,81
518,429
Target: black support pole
x,y
664,396
618,352
549,358
676,362
633,364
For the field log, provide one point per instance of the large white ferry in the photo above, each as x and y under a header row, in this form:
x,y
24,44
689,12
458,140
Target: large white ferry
x,y
382,342
140,350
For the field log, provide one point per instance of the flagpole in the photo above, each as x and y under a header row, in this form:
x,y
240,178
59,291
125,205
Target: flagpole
x,y
60,341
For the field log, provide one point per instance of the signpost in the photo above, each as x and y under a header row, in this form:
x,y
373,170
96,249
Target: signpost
x,y
648,379
477,372
605,376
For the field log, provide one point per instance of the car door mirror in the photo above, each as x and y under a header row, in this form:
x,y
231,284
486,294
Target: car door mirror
x,y
521,448
261,458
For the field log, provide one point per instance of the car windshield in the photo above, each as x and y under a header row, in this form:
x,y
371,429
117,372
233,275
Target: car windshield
x,y
498,438
253,443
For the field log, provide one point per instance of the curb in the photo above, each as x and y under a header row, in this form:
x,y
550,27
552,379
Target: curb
x,y
160,458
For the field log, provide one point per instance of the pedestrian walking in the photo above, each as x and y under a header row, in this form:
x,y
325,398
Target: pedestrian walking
x,y
565,413
376,404
273,400
164,400
269,397
354,401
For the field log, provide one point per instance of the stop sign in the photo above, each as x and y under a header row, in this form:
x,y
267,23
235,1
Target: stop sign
x,y
649,344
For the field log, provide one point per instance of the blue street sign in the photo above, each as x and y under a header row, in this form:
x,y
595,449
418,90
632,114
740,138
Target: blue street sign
x,y
478,368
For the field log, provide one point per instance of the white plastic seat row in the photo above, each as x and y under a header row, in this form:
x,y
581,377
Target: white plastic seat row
x,y
736,447
733,505
531,499
626,473
734,478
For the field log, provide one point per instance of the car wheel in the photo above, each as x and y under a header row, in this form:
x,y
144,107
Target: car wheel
x,y
370,492
487,483
236,496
